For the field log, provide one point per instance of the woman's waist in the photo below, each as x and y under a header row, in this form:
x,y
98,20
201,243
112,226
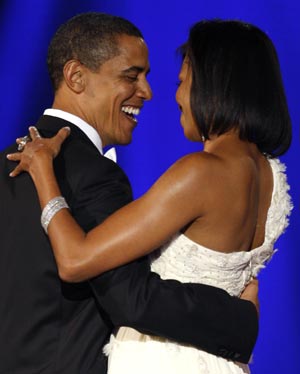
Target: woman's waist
x,y
129,334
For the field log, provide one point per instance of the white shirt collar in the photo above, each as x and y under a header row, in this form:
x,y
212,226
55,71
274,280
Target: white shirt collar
x,y
89,131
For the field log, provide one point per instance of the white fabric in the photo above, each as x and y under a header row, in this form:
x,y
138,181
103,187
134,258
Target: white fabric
x,y
184,260
111,154
89,131
165,357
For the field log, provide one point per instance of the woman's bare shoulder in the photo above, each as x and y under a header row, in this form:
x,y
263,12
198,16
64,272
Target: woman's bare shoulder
x,y
190,175
197,164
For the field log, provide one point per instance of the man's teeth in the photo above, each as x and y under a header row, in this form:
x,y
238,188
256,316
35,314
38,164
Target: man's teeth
x,y
131,110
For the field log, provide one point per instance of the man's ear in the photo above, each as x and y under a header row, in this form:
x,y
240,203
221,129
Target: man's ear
x,y
74,75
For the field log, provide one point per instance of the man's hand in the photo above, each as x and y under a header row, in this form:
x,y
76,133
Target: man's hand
x,y
250,293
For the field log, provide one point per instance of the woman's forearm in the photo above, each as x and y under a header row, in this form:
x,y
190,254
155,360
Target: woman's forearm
x,y
66,246
43,176
131,232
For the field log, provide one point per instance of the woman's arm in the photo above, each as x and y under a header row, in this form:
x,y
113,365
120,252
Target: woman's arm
x,y
132,232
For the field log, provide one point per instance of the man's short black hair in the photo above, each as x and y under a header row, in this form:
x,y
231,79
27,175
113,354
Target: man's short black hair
x,y
90,38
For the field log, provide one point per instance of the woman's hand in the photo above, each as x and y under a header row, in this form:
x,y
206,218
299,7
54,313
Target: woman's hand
x,y
38,150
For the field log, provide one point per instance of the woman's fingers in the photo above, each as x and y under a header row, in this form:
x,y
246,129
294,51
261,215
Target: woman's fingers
x,y
33,146
14,156
17,170
53,143
22,166
22,142
62,135
34,132
56,141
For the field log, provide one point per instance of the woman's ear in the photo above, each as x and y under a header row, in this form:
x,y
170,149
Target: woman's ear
x,y
74,75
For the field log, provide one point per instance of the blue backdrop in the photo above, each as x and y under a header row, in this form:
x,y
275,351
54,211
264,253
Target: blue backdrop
x,y
26,28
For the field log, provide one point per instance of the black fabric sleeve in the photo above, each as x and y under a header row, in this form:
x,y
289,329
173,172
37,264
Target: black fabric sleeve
x,y
204,316
132,295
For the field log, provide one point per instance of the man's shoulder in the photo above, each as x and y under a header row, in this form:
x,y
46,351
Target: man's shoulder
x,y
81,156
82,167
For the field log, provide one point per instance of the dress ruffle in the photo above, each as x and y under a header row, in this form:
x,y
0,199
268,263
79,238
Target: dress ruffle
x,y
187,261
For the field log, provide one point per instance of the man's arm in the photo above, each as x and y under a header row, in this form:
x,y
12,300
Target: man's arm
x,y
200,315
132,295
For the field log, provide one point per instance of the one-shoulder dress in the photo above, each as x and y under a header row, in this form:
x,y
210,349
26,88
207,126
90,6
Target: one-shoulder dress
x,y
186,261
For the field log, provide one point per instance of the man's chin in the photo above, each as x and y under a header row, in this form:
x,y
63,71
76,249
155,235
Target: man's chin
x,y
126,140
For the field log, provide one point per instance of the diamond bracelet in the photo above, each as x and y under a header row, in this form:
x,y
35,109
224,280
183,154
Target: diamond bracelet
x,y
52,207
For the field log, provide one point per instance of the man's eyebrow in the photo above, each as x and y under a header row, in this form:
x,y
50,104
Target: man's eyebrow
x,y
136,69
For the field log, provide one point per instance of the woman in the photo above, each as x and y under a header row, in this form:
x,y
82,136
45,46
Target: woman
x,y
216,213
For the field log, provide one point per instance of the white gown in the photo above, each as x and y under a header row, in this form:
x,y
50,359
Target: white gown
x,y
186,261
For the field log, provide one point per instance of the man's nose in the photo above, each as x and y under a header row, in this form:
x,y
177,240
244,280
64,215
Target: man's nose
x,y
144,90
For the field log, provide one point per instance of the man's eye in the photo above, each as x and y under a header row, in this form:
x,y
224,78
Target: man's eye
x,y
132,78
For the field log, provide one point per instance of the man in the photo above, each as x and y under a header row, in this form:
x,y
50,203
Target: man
x,y
98,65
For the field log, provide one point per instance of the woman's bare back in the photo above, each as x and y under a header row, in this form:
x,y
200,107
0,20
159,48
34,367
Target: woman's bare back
x,y
237,198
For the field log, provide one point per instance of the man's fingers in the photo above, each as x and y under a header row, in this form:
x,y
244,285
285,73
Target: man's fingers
x,y
250,293
254,283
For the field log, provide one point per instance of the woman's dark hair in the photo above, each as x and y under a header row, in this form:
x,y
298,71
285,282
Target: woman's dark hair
x,y
91,38
237,84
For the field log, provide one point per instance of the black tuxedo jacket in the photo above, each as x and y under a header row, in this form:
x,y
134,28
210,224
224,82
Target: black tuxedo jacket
x,y
50,327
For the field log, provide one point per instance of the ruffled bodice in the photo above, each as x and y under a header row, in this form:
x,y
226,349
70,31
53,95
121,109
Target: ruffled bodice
x,y
187,261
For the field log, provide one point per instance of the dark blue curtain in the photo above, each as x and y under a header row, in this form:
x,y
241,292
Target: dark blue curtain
x,y
26,28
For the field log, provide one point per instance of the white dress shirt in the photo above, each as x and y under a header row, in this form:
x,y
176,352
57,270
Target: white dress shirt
x,y
89,131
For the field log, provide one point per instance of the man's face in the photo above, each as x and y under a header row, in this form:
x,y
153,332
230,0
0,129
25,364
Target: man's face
x,y
114,95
